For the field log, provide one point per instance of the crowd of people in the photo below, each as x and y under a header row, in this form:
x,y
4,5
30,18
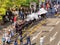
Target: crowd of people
x,y
21,12
12,15
10,36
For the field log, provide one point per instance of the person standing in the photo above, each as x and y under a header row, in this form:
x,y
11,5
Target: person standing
x,y
8,40
15,42
21,40
21,13
11,32
9,13
15,19
42,40
3,39
28,40
47,5
17,27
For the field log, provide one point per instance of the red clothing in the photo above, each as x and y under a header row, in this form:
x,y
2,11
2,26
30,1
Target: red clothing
x,y
47,5
15,18
42,6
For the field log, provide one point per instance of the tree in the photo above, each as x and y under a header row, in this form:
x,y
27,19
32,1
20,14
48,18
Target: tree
x,y
10,3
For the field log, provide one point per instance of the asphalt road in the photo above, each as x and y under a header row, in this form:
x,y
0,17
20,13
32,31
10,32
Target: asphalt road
x,y
51,31
53,37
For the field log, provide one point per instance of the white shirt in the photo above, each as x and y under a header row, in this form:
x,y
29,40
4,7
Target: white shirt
x,y
6,34
15,12
7,39
41,39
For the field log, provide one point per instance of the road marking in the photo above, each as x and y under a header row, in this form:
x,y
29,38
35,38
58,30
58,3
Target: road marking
x,y
51,29
57,22
35,28
53,37
58,43
35,36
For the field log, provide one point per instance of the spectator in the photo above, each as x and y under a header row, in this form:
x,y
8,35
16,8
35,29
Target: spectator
x,y
3,39
9,13
15,19
42,40
8,40
42,5
47,5
28,40
16,27
11,32
15,11
21,13
20,29
21,40
15,42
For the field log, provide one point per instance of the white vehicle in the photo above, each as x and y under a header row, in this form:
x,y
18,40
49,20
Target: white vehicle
x,y
32,17
42,11
36,15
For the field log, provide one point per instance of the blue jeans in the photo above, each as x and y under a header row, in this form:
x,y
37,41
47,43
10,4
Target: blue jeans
x,y
29,42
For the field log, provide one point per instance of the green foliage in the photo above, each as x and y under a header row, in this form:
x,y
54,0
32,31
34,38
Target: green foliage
x,y
10,3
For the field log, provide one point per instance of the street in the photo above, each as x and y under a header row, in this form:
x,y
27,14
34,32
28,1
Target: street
x,y
29,22
54,36
50,31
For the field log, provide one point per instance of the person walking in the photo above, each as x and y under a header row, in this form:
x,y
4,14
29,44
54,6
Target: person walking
x,y
21,40
28,40
15,42
15,20
17,27
3,39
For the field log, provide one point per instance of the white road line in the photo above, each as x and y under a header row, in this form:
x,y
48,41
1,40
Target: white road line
x,y
35,36
55,34
58,43
53,37
51,29
57,22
